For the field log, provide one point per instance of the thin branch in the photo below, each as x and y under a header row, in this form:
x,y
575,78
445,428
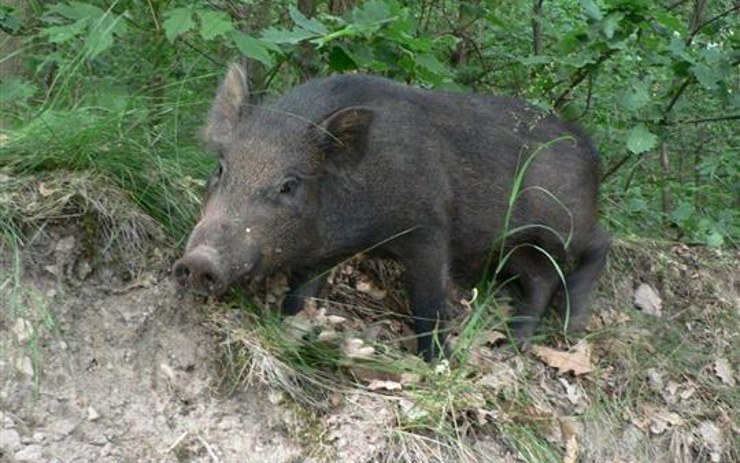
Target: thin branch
x,y
580,76
589,96
710,21
677,4
703,120
615,167
676,96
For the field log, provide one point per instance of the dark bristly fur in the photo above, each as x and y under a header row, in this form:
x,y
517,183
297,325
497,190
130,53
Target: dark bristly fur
x,y
349,163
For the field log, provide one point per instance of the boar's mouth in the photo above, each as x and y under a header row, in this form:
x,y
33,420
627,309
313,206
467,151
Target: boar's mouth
x,y
203,271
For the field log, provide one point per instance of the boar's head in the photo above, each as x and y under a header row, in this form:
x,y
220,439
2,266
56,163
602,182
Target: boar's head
x,y
265,201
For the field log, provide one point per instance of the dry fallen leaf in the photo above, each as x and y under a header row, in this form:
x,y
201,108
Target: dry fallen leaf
x,y
377,379
711,438
661,419
298,325
570,434
409,378
442,368
655,379
501,377
328,335
370,289
572,393
648,300
578,360
723,370
386,385
45,190
335,319
24,365
484,416
410,410
356,348
494,337
23,330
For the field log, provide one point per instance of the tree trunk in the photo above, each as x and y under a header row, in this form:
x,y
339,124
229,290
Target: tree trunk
x,y
537,27
465,22
339,7
307,58
666,188
11,60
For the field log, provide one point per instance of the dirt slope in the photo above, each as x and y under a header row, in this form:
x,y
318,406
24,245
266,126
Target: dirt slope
x,y
124,377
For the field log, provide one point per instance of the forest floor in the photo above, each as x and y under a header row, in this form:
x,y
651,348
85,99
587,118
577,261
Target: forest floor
x,y
104,360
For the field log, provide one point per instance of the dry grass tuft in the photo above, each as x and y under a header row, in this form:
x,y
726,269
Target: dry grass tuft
x,y
113,228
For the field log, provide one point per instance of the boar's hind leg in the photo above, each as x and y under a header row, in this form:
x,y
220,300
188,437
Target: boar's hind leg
x,y
538,280
581,281
426,269
301,289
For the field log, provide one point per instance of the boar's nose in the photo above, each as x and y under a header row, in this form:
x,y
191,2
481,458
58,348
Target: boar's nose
x,y
199,270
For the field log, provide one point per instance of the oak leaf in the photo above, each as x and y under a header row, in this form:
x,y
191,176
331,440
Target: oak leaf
x,y
577,360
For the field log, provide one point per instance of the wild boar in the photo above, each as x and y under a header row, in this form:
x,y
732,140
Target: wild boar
x,y
454,186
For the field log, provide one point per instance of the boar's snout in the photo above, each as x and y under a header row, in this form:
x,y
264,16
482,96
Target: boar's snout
x,y
201,270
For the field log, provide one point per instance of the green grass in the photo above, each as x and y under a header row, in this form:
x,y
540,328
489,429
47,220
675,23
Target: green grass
x,y
158,176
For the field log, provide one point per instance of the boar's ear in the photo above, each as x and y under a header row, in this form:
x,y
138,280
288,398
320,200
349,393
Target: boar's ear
x,y
342,135
228,106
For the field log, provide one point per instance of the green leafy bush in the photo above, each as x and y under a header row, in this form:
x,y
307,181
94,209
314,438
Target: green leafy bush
x,y
655,83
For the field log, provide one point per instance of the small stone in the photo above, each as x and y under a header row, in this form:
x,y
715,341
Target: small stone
x,y
23,330
275,397
31,453
66,244
39,437
648,300
92,414
168,372
83,270
97,437
24,365
62,429
108,450
10,439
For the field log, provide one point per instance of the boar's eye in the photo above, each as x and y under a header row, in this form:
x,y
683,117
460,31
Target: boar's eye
x,y
289,186
219,171
216,177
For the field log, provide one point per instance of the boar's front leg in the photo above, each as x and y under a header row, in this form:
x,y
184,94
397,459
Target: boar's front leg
x,y
426,268
302,288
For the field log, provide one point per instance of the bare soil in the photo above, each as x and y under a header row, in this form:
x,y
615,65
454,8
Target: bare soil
x,y
122,371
